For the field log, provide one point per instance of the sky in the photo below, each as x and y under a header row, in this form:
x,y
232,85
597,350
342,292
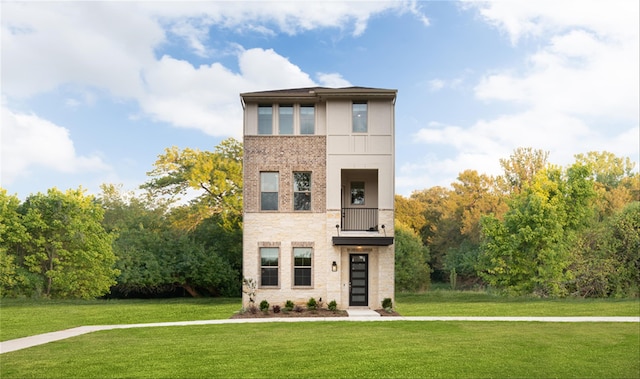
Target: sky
x,y
93,92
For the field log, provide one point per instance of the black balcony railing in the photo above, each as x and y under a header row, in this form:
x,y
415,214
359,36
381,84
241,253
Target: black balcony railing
x,y
360,219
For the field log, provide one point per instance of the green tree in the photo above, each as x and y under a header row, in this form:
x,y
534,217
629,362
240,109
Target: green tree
x,y
67,247
216,177
437,210
410,212
526,253
606,257
616,183
155,256
522,167
12,236
412,272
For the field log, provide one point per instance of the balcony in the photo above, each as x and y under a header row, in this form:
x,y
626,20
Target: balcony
x,y
359,219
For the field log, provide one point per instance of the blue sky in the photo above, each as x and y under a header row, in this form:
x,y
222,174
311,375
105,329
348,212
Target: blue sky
x,y
93,92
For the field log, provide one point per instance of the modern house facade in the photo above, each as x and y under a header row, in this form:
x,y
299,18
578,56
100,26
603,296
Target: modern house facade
x,y
319,195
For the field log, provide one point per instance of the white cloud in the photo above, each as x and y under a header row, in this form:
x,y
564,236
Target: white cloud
x,y
265,69
534,19
29,141
578,92
46,45
574,73
436,85
332,80
74,45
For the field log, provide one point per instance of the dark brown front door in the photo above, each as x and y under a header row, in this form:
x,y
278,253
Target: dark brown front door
x,y
358,280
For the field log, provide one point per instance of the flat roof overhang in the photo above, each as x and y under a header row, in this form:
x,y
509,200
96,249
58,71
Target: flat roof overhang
x,y
362,241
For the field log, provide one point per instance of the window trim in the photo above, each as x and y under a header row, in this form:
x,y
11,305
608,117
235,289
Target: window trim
x,y
261,266
293,112
351,188
270,107
277,191
366,117
309,191
309,267
300,107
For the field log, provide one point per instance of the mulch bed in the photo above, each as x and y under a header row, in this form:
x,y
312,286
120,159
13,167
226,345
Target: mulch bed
x,y
304,313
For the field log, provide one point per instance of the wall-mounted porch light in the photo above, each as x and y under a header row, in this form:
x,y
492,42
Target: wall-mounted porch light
x,y
334,266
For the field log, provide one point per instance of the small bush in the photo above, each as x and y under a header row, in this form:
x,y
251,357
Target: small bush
x,y
276,309
312,304
264,306
252,309
288,305
298,308
387,304
333,306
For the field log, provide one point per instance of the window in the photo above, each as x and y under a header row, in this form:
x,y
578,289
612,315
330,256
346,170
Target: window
x,y
265,119
307,119
269,266
357,193
302,266
269,191
359,117
301,191
285,117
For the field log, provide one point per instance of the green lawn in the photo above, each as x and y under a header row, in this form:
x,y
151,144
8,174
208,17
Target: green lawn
x,y
340,349
470,303
21,318
326,349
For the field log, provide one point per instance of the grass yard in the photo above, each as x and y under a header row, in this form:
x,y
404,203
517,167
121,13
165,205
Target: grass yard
x,y
396,349
21,318
340,349
478,303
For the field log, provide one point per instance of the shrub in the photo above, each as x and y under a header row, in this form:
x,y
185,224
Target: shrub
x,y
312,304
288,305
387,304
276,309
333,306
264,306
298,309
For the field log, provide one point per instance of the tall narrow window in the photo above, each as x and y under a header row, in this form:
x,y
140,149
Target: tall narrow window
x,y
307,119
269,266
357,193
301,191
359,117
265,119
269,191
285,119
302,266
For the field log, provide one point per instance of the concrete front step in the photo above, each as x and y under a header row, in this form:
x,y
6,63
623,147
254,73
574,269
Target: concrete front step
x,y
362,313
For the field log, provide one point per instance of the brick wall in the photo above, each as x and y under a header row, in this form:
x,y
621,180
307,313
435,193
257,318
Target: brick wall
x,y
284,154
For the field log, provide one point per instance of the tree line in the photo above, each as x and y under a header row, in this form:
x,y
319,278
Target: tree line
x,y
537,229
180,234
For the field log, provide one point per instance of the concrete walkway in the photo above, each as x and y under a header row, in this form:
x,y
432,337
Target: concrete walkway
x,y
354,315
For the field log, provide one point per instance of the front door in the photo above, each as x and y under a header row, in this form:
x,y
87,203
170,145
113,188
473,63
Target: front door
x,y
358,280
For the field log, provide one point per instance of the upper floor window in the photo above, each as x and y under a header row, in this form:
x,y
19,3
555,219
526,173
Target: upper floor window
x,y
302,266
285,119
301,191
269,191
269,258
265,119
307,119
359,114
357,193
